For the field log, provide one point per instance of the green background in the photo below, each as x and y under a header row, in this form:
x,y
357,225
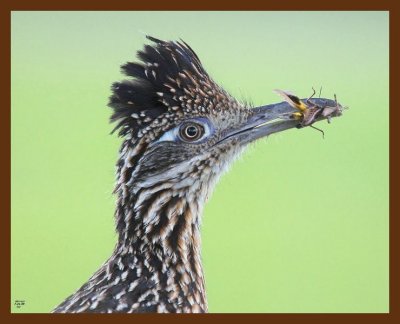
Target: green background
x,y
300,224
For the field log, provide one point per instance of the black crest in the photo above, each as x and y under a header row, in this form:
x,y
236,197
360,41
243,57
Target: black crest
x,y
138,101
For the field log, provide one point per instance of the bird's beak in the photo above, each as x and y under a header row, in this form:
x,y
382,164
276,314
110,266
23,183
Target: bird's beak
x,y
265,120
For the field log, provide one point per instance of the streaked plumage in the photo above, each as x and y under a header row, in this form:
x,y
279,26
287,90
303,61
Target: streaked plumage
x,y
164,177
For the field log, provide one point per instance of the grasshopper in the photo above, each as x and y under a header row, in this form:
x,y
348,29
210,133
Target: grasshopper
x,y
309,112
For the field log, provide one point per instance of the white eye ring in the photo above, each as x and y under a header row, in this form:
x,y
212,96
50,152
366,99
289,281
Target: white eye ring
x,y
175,134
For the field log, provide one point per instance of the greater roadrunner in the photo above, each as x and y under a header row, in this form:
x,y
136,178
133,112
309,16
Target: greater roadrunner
x,y
180,132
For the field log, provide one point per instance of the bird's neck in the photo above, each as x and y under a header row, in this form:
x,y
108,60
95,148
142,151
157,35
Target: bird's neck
x,y
160,231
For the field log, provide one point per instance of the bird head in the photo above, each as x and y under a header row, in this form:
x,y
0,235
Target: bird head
x,y
181,128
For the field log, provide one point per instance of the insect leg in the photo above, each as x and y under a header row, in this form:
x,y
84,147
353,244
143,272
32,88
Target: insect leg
x,y
308,100
323,134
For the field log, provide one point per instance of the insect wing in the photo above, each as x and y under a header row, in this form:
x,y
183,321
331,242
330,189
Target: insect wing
x,y
292,100
311,115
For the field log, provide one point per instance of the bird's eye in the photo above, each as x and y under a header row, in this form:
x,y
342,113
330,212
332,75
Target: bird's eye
x,y
191,132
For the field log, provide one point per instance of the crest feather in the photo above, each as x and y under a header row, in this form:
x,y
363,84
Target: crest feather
x,y
164,71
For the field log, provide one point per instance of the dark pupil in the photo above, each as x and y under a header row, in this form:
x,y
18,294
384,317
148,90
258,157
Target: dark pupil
x,y
191,131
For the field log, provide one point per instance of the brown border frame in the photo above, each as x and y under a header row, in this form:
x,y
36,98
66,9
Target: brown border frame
x,y
6,6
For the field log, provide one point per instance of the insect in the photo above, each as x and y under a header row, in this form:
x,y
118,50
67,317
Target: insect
x,y
310,112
